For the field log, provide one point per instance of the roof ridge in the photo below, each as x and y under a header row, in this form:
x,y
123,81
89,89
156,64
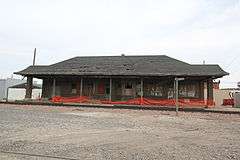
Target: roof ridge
x,y
38,65
137,55
204,64
177,60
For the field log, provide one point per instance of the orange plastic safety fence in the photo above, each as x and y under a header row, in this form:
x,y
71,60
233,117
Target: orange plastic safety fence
x,y
228,102
136,101
60,99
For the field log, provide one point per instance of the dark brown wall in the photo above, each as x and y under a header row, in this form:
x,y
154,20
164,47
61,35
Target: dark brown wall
x,y
91,88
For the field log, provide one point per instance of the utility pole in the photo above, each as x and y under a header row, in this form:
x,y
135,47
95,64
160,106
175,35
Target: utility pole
x,y
34,56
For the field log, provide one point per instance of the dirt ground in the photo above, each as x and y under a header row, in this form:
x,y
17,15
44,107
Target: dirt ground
x,y
47,132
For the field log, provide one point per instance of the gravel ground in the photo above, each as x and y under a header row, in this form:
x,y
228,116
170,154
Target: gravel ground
x,y
47,132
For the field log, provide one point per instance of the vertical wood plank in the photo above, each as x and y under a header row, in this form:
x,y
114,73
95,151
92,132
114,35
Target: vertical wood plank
x,y
141,91
110,89
81,87
54,88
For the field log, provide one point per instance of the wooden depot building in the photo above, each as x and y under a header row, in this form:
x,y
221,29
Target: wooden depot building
x,y
123,78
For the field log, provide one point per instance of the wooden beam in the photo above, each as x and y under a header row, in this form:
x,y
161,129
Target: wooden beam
x,y
29,88
81,86
209,91
7,94
141,91
54,88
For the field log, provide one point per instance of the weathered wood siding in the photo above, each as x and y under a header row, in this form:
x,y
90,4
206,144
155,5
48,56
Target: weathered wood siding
x,y
125,88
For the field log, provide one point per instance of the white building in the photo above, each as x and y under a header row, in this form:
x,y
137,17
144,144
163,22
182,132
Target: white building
x,y
5,83
18,92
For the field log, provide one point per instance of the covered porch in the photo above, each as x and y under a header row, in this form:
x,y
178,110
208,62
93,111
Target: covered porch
x,y
124,88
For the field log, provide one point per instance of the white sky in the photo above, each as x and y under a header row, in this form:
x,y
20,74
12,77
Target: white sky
x,y
189,30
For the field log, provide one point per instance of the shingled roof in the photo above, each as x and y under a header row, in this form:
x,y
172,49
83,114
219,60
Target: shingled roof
x,y
24,85
159,65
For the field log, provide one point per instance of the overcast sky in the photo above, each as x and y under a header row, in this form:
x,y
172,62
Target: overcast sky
x,y
189,30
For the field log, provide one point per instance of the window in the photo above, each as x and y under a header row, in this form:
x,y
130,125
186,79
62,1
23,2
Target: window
x,y
187,90
182,90
192,91
154,89
170,93
128,89
128,85
74,88
101,88
107,90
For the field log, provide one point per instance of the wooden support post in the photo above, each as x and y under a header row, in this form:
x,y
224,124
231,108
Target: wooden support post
x,y
81,87
209,92
174,89
7,94
29,88
110,89
176,95
54,88
205,91
201,90
141,91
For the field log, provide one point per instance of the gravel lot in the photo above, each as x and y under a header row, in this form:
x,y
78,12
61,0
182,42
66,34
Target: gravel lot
x,y
47,132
